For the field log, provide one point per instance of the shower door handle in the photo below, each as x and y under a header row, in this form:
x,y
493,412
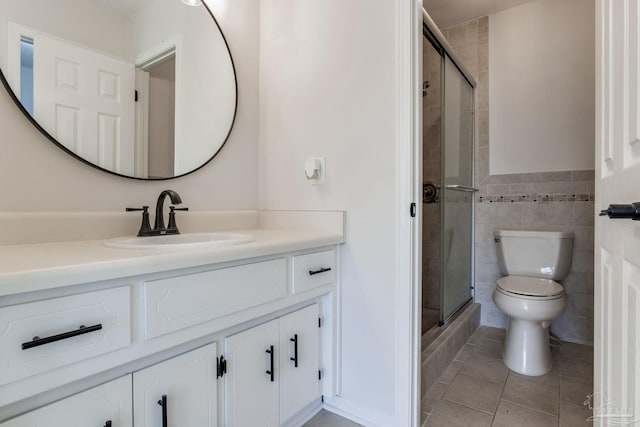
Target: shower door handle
x,y
461,188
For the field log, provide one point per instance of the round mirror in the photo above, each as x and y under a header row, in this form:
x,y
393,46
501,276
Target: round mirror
x,y
144,89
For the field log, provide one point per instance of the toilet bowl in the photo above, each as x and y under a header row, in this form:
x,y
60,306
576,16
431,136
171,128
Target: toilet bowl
x,y
530,295
526,348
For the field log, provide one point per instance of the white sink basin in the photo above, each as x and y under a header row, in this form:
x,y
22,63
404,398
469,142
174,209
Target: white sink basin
x,y
180,241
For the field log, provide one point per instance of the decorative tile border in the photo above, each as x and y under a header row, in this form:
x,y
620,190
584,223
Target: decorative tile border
x,y
535,198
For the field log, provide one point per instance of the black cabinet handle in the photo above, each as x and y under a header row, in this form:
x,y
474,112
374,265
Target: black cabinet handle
x,y
631,211
163,402
294,359
37,341
270,372
322,270
108,424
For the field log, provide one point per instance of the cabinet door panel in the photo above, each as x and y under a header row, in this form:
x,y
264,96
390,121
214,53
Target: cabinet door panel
x,y
299,386
188,381
94,407
252,398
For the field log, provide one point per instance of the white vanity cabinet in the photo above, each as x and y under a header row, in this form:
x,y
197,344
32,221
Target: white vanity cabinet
x,y
181,391
156,341
273,370
108,405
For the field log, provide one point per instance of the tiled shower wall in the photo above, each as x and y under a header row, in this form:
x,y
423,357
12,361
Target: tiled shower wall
x,y
533,201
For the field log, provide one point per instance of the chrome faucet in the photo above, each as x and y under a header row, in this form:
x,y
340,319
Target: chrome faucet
x,y
159,228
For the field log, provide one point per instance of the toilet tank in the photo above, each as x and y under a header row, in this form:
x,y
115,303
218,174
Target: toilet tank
x,y
545,254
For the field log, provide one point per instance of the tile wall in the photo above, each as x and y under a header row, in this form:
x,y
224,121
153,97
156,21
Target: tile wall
x,y
561,200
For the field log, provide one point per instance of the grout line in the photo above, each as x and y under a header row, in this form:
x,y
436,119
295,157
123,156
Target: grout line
x,y
535,410
575,380
461,404
500,398
473,409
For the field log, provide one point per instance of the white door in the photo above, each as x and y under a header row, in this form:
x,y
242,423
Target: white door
x,y
86,101
617,241
184,387
94,407
253,377
299,361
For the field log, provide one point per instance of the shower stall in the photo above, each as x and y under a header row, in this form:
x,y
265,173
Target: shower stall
x,y
448,177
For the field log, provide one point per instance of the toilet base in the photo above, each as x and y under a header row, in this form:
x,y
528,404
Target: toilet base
x,y
526,347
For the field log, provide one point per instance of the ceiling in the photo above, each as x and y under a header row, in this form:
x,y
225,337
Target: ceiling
x,y
450,12
123,7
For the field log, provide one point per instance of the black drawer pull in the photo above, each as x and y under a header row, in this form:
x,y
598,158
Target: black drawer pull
x,y
37,341
271,372
322,270
163,403
108,424
294,359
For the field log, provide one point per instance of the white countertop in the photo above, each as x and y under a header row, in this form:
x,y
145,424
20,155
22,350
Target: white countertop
x,y
36,267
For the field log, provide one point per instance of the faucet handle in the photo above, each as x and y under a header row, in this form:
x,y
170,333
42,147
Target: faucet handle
x,y
145,227
172,227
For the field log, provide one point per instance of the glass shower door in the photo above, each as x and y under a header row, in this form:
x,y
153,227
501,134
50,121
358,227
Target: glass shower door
x,y
457,190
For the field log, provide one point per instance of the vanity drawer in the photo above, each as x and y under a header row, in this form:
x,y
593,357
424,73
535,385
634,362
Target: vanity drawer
x,y
179,302
93,407
313,270
103,315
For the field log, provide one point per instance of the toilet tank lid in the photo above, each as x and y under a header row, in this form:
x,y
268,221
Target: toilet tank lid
x,y
528,233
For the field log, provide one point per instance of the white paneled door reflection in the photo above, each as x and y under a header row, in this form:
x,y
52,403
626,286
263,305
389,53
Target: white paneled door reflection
x,y
86,101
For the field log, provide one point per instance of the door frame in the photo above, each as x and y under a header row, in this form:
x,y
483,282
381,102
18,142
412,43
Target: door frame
x,y
171,46
408,227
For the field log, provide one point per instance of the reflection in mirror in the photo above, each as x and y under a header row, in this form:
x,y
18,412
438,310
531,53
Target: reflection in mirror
x,y
140,88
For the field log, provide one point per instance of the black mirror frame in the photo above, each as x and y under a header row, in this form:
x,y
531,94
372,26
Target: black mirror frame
x,y
15,99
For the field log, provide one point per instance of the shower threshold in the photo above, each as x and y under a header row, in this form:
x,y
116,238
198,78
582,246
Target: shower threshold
x,y
436,326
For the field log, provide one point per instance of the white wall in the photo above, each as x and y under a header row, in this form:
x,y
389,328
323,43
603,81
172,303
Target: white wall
x,y
328,88
37,176
162,112
542,107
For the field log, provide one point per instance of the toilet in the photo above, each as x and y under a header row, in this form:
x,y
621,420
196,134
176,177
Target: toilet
x,y
529,294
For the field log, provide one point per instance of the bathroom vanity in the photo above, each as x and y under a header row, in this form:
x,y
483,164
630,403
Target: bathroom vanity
x,y
238,335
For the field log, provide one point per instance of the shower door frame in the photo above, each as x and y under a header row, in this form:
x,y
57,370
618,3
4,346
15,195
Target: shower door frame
x,y
433,35
448,317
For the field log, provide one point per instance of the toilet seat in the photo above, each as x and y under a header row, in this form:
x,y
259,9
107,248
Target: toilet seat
x,y
529,287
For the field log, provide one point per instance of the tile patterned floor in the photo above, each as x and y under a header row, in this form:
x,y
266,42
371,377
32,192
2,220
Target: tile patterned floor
x,y
477,389
328,419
